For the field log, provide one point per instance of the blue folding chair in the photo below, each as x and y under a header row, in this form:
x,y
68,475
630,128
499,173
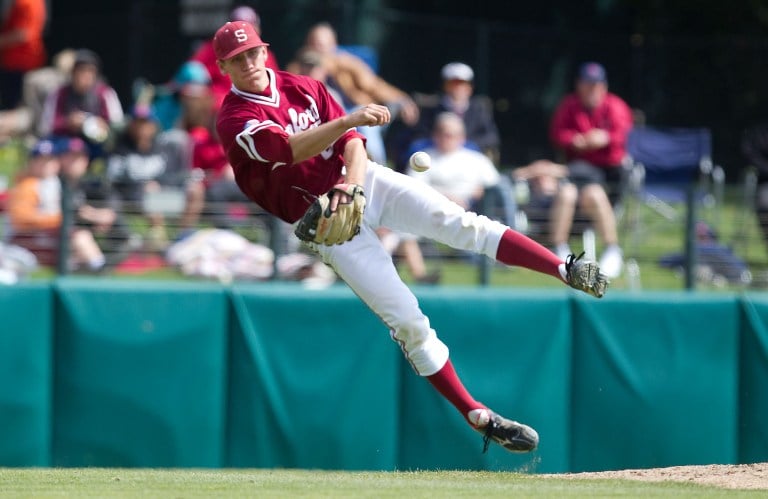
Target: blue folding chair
x,y
666,162
671,170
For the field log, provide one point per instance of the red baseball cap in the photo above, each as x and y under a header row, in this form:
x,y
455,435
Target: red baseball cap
x,y
235,37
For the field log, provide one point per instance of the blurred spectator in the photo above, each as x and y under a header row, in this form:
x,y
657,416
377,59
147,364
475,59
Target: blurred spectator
x,y
358,84
457,96
34,204
461,174
542,176
541,182
309,62
35,213
21,46
145,161
38,85
590,126
189,80
212,180
86,107
220,83
94,206
754,146
352,77
184,109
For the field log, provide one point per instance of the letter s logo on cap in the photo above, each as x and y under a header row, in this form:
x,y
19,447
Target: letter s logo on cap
x,y
241,35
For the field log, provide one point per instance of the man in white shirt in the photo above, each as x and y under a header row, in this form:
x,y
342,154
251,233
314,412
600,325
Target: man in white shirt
x,y
461,174
458,172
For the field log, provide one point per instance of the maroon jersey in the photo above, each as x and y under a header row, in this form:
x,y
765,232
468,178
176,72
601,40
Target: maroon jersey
x,y
612,115
254,130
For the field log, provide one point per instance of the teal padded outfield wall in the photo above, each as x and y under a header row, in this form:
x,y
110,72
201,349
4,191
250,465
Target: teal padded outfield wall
x,y
100,372
26,375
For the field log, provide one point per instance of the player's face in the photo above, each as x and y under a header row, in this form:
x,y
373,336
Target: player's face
x,y
246,69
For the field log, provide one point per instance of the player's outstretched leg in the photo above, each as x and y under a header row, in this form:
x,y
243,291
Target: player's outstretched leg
x,y
520,250
511,435
448,223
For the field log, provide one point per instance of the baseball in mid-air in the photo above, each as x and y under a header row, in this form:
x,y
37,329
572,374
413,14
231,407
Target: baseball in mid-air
x,y
420,161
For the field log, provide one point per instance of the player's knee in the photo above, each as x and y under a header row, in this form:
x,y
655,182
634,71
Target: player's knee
x,y
411,331
420,345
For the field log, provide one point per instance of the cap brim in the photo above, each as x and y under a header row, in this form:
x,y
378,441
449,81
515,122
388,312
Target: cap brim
x,y
242,48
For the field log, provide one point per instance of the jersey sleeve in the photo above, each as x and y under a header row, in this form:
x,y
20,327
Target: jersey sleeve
x,y
265,141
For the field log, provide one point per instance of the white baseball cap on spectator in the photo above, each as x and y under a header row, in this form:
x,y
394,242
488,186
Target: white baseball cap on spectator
x,y
457,71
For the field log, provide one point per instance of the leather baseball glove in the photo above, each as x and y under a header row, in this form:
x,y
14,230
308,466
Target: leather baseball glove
x,y
322,226
585,275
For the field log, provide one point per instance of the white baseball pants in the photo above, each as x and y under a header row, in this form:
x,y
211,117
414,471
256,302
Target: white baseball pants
x,y
402,203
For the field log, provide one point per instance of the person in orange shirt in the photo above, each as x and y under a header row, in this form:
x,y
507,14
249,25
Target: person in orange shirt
x,y
34,204
21,47
34,209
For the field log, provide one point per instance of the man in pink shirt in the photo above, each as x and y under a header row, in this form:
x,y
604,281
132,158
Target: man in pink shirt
x,y
287,140
590,126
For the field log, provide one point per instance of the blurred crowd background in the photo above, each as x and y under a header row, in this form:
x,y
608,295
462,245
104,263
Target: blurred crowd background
x,y
681,63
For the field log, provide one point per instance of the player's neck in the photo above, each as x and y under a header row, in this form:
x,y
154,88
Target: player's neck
x,y
262,84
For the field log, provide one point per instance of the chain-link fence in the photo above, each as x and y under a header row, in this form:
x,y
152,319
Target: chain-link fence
x,y
524,68
718,246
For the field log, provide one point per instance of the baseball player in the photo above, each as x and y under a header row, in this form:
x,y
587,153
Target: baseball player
x,y
297,154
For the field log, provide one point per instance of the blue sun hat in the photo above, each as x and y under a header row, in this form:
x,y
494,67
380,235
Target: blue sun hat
x,y
43,147
191,72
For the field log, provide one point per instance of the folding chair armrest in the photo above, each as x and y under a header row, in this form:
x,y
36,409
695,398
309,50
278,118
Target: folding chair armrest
x,y
635,177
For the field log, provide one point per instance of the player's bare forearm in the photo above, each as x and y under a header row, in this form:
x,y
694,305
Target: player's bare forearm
x,y
356,161
313,141
356,164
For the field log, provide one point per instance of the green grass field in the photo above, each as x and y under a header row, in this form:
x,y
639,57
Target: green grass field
x,y
100,482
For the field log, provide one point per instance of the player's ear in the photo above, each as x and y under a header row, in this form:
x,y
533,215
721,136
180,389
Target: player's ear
x,y
220,64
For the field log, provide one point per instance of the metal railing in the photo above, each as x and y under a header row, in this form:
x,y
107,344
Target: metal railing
x,y
719,244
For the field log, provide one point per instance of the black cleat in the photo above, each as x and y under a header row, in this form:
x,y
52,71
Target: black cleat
x,y
513,436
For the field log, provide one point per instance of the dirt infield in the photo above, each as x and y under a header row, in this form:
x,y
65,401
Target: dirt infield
x,y
742,476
